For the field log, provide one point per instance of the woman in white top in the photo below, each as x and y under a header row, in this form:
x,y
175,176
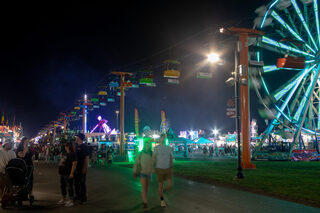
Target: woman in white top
x,y
144,164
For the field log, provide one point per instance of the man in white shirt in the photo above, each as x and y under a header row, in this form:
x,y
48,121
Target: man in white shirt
x,y
6,154
163,160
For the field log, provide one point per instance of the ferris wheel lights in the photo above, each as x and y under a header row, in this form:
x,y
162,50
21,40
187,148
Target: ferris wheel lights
x,y
296,7
283,46
316,13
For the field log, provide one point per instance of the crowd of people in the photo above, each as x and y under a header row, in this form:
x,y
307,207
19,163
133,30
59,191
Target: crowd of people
x,y
73,159
211,151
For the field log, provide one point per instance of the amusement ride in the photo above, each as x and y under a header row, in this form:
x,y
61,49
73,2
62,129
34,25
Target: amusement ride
x,y
280,62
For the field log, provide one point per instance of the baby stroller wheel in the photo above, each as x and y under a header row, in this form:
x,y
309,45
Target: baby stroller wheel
x,y
31,200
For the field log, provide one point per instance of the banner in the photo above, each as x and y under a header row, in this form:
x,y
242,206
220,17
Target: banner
x,y
163,126
136,121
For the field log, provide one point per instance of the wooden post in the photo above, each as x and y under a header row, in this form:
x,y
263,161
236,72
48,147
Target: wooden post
x,y
123,85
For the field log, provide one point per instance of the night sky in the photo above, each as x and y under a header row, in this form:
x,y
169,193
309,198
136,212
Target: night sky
x,y
52,53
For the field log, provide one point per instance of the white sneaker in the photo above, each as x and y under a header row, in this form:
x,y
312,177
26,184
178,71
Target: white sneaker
x,y
62,201
163,203
69,203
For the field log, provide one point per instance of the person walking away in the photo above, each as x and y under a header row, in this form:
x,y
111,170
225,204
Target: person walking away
x,y
67,168
25,153
55,154
143,169
82,166
36,153
211,151
90,154
163,161
47,153
109,155
6,154
103,150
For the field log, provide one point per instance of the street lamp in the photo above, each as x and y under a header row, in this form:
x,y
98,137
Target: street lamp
x,y
84,115
236,81
215,132
117,113
213,57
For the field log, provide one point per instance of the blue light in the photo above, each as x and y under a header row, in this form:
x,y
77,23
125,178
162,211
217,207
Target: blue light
x,y
303,22
318,108
286,26
266,14
280,111
309,61
265,85
282,92
270,68
283,46
302,103
305,97
317,19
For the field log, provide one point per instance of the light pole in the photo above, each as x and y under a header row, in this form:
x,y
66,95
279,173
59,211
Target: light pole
x,y
242,76
84,115
236,105
215,132
117,113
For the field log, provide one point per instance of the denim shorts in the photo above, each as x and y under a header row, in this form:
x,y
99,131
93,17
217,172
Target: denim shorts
x,y
148,176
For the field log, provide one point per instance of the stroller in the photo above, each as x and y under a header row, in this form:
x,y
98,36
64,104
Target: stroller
x,y
20,186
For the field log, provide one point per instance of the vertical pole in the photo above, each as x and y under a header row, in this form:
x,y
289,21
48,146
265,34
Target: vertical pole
x,y
64,125
54,133
84,116
122,115
236,94
117,112
244,95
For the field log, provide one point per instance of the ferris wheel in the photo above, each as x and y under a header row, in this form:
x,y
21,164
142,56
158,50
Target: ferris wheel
x,y
289,79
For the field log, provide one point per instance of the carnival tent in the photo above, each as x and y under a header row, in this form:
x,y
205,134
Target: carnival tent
x,y
173,138
203,140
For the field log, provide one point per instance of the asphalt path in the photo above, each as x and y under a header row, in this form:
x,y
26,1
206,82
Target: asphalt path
x,y
114,190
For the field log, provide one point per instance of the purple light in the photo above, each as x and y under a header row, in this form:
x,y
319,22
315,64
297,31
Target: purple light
x,y
103,125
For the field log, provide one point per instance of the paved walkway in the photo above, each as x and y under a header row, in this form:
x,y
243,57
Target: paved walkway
x,y
114,190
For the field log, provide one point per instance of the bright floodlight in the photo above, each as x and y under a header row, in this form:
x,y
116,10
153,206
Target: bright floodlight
x,y
155,136
85,97
213,57
215,131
